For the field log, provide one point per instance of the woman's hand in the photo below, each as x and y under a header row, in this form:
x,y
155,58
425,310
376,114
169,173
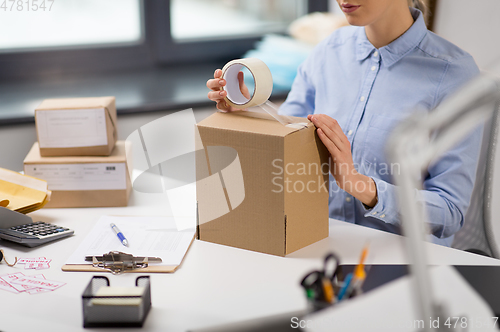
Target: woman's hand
x,y
342,166
218,95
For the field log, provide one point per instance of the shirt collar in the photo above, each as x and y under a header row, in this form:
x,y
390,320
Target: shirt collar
x,y
396,50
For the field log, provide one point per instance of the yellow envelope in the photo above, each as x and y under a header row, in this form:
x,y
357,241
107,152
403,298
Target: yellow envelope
x,y
22,193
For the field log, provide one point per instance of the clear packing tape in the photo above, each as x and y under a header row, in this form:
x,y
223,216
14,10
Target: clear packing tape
x,y
263,89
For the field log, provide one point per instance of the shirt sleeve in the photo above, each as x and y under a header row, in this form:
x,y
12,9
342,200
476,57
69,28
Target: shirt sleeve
x,y
300,100
449,182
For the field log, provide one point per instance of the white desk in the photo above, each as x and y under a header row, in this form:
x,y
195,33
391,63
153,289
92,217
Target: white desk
x,y
214,285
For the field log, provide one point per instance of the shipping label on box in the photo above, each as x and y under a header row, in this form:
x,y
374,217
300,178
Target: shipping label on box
x,y
71,128
83,181
284,172
101,176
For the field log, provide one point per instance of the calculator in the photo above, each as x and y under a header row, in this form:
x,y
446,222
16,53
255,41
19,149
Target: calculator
x,y
34,233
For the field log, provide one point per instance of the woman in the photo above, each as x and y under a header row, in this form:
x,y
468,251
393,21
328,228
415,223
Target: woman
x,y
356,86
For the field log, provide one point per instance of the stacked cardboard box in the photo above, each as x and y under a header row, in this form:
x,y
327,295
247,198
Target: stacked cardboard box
x,y
78,154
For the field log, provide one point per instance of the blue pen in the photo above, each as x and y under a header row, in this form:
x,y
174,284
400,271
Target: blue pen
x,y
344,289
119,234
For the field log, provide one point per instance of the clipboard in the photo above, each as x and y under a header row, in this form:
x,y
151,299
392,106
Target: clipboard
x,y
90,268
150,268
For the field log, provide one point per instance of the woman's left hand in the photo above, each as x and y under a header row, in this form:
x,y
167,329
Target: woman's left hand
x,y
342,166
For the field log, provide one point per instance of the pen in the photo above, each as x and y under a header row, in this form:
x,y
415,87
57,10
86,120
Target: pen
x,y
358,281
359,273
355,280
347,283
328,293
119,234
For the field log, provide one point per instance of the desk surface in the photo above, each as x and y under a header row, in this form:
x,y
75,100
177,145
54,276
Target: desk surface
x,y
214,285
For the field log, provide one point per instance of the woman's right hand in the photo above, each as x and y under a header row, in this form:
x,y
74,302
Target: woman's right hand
x,y
218,95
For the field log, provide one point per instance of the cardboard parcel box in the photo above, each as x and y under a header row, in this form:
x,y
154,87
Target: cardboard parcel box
x,y
76,126
261,186
83,181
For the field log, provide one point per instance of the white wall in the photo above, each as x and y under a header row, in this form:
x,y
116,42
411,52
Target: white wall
x,y
473,25
16,141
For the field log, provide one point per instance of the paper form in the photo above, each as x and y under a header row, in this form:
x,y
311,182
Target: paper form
x,y
147,236
71,128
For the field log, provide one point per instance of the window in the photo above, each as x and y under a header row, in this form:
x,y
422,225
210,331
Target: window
x,y
195,19
33,24
75,36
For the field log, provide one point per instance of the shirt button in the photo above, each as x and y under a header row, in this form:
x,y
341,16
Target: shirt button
x,y
348,199
374,212
349,133
373,68
382,216
375,54
362,98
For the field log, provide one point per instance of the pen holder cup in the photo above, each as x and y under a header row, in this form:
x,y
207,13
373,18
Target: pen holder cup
x,y
324,292
315,305
104,306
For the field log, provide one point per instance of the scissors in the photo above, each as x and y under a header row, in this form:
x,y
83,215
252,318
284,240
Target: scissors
x,y
2,257
320,285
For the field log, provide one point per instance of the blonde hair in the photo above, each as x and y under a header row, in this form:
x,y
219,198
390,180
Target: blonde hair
x,y
420,5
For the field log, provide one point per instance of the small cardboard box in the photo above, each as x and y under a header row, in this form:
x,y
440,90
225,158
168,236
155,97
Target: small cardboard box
x,y
76,126
271,193
83,181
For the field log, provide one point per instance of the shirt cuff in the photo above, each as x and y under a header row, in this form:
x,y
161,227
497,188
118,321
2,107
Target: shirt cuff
x,y
386,208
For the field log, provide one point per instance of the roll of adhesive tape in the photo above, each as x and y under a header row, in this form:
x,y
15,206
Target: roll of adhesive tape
x,y
261,76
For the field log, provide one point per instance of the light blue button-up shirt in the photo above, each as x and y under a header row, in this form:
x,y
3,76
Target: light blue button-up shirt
x,y
369,91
